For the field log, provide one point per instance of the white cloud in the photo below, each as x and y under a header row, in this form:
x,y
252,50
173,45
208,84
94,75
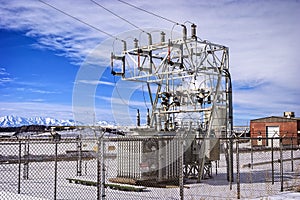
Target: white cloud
x,y
5,77
3,72
120,101
263,37
5,80
96,82
42,91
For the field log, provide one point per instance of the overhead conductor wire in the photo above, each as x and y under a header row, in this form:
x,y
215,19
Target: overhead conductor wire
x,y
132,24
149,12
113,13
81,21
91,26
122,18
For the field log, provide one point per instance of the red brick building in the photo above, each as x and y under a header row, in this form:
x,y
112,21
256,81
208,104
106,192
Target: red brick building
x,y
287,127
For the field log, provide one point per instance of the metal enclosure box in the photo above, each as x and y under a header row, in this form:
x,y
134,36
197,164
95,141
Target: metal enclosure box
x,y
153,158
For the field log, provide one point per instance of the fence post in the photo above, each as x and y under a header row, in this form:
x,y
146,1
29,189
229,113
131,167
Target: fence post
x,y
26,159
181,168
292,154
216,162
238,170
55,170
272,159
19,172
79,161
100,170
281,165
103,170
230,163
251,153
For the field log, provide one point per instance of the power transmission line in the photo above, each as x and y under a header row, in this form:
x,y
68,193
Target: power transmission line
x,y
149,12
83,22
122,18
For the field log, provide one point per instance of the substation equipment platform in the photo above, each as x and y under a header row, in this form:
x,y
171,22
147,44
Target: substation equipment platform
x,y
190,111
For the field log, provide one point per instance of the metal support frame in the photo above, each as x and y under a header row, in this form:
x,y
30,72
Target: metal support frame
x,y
193,86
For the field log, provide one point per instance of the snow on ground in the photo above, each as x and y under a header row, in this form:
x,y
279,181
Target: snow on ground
x,y
13,196
281,196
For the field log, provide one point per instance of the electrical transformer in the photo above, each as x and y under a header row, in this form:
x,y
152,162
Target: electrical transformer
x,y
149,158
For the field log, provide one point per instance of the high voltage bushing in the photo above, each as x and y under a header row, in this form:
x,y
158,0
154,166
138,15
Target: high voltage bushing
x,y
193,30
184,32
162,37
136,43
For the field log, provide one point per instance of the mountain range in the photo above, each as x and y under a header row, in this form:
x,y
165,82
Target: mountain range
x,y
16,121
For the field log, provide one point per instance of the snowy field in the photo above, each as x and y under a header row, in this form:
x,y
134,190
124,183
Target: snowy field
x,y
256,183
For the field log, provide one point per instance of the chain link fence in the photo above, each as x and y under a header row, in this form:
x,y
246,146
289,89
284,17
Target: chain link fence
x,y
127,168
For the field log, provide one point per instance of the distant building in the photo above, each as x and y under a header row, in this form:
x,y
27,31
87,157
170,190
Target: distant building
x,y
286,127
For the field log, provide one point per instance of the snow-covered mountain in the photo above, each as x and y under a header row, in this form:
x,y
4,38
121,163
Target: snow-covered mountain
x,y
15,121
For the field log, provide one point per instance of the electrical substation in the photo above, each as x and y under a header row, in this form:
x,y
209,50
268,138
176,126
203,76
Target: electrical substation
x,y
164,100
190,111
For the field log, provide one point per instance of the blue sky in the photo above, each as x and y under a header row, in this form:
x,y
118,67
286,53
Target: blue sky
x,y
43,52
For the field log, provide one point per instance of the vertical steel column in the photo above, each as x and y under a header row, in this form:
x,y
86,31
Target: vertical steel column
x,y
230,118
